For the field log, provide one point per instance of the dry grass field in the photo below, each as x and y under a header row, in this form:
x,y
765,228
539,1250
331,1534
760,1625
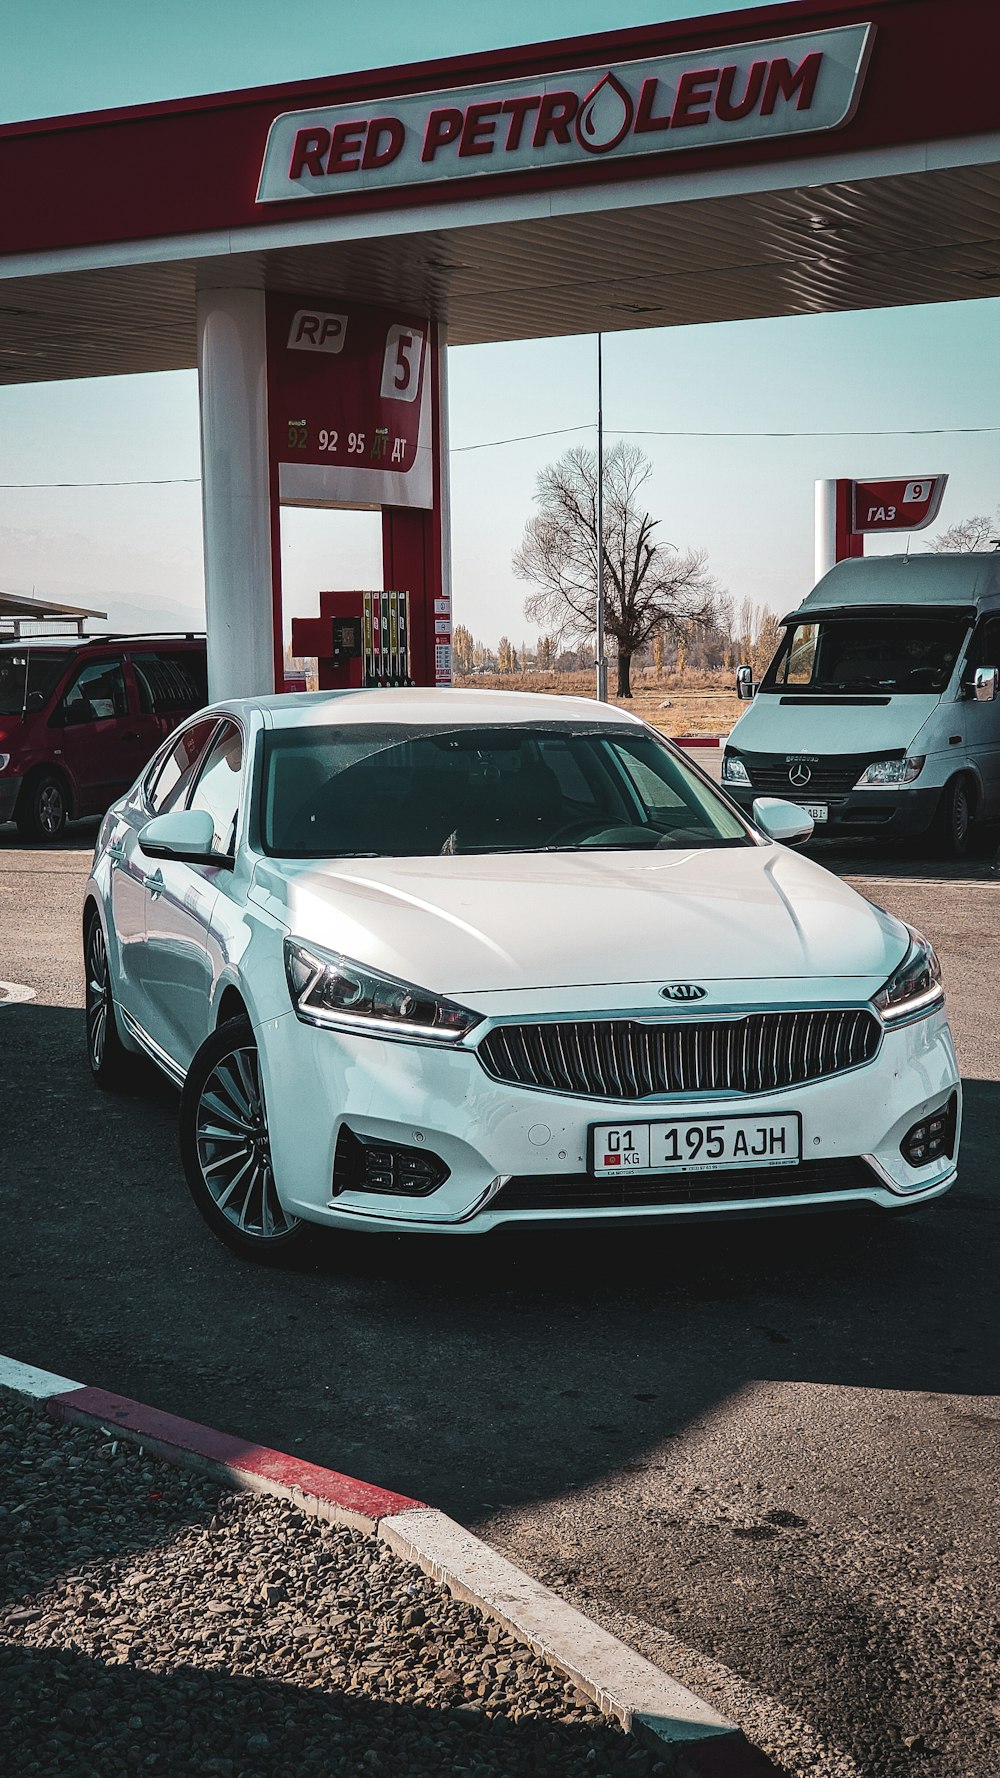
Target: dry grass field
x,y
679,704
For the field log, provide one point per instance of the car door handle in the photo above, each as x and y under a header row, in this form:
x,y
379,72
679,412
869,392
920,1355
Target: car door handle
x,y
154,884
130,735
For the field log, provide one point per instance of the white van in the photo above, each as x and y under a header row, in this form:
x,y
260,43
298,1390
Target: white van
x,y
879,712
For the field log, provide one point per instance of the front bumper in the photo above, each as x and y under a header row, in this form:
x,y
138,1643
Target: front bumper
x,y
519,1155
902,812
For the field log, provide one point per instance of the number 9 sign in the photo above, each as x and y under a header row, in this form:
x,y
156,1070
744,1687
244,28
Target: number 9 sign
x,y
404,351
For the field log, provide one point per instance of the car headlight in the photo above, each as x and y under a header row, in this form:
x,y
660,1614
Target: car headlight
x,y
328,989
733,770
891,771
914,986
4,761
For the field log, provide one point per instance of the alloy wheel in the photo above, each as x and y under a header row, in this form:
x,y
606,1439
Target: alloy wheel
x,y
50,809
96,995
233,1150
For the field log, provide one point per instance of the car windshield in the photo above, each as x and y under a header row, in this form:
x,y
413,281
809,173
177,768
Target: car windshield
x,y
404,792
27,675
867,654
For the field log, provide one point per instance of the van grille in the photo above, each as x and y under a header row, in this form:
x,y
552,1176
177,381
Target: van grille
x,y
832,776
632,1059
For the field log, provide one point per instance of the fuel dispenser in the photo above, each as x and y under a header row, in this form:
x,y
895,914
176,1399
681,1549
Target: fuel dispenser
x,y
359,639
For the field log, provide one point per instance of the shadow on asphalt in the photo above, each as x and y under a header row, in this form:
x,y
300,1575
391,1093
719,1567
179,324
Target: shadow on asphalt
x,y
67,1715
78,836
472,1373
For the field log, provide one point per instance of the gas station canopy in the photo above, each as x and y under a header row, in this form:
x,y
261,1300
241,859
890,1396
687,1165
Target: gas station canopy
x,y
111,222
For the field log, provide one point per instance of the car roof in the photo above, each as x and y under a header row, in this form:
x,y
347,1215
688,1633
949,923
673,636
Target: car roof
x,y
118,641
961,577
427,705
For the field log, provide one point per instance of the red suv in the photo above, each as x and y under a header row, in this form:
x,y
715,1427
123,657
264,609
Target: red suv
x,y
80,716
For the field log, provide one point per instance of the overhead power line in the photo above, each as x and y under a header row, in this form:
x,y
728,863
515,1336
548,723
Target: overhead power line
x,y
492,444
489,444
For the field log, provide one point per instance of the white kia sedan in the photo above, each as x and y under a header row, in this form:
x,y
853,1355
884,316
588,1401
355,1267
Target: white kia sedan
x,y
449,960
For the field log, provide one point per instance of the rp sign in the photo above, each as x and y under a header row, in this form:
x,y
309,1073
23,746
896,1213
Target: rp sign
x,y
900,505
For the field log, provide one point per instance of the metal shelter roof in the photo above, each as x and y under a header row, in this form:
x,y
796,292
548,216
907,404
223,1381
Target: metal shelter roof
x,y
111,221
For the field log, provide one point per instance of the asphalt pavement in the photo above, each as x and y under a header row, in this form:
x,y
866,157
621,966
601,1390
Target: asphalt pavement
x,y
765,1454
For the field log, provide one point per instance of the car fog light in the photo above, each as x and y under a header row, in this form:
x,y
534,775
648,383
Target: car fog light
x,y
367,1164
932,1137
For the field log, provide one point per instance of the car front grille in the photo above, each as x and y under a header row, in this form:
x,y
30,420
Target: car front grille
x,y
759,1052
832,776
577,1191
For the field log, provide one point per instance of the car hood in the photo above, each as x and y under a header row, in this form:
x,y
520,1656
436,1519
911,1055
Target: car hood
x,y
462,925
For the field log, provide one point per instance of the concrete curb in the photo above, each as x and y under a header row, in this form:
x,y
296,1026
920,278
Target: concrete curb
x,y
690,1737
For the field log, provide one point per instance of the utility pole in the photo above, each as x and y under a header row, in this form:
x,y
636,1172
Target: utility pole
x,y
602,665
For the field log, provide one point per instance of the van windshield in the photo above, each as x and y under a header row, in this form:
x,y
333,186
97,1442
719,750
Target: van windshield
x,y
873,654
27,676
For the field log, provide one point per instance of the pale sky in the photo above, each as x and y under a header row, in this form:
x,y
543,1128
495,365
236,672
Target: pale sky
x,y
876,376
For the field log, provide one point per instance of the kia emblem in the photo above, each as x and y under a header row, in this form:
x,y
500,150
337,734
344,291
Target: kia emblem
x,y
799,774
684,991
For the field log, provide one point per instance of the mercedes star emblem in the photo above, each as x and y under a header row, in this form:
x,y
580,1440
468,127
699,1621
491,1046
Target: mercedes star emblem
x,y
799,774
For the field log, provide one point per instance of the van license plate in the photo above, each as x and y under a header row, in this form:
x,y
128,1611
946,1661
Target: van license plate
x,y
819,811
696,1145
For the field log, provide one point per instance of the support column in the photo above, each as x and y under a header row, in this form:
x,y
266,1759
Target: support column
x,y
236,504
416,546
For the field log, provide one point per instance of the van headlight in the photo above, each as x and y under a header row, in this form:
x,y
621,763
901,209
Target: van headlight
x,y
882,772
914,987
733,770
329,989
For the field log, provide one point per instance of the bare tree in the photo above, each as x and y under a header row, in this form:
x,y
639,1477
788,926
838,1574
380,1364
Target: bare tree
x,y
756,633
649,586
977,532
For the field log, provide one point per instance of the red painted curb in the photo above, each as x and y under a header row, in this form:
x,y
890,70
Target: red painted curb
x,y
696,740
201,1447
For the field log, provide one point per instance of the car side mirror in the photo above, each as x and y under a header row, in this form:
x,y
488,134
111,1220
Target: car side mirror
x,y
745,686
781,821
185,835
985,684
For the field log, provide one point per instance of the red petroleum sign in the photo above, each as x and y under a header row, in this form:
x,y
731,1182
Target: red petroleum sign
x,y
904,504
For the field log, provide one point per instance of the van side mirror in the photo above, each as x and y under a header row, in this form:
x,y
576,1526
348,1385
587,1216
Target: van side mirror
x,y
985,684
745,686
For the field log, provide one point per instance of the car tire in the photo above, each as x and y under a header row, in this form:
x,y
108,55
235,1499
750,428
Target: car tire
x,y
953,821
226,1151
111,1064
42,808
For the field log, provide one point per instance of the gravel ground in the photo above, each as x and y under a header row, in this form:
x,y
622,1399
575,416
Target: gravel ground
x,y
152,1623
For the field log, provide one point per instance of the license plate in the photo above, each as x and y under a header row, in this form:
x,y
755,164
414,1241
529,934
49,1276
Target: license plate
x,y
819,811
696,1145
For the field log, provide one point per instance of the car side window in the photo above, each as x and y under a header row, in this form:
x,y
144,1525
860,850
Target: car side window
x,y
986,645
171,680
96,693
171,782
218,788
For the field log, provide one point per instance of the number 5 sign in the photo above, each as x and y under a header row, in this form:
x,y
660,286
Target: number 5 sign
x,y
348,409
401,367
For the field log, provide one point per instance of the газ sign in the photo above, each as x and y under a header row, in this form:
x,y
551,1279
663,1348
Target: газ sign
x,y
899,505
744,92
